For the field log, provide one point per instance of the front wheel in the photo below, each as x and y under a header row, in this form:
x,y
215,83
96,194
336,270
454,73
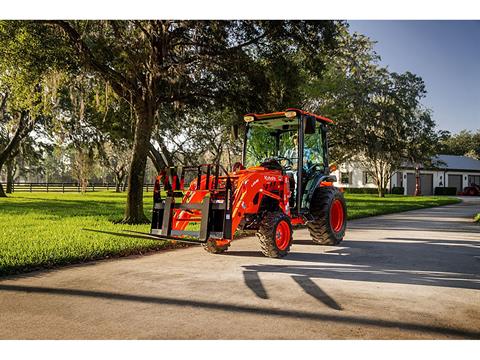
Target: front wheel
x,y
329,211
275,234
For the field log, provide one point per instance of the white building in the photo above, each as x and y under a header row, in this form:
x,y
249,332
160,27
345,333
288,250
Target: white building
x,y
353,175
450,171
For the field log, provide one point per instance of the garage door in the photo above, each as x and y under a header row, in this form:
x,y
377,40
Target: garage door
x,y
455,181
410,184
426,184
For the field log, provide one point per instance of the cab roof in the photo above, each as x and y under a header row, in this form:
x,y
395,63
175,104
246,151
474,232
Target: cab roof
x,y
281,115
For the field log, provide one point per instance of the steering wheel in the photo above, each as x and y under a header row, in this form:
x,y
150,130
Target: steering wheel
x,y
310,168
288,160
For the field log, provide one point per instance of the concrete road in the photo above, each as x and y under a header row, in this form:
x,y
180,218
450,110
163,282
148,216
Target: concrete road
x,y
409,275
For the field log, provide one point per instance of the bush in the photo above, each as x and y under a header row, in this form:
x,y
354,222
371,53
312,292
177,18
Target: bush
x,y
445,191
477,218
398,190
361,190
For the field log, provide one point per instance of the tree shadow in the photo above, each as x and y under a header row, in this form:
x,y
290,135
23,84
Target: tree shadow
x,y
245,309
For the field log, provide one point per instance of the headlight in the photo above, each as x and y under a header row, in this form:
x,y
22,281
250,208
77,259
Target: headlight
x,y
290,114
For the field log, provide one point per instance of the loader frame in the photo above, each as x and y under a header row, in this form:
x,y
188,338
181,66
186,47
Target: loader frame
x,y
173,183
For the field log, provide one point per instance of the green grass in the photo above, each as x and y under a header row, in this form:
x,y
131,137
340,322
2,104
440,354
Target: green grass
x,y
476,218
40,230
361,205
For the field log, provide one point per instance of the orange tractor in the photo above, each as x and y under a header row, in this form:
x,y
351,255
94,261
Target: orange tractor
x,y
284,179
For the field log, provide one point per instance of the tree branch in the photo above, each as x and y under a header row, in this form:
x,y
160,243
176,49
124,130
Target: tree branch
x,y
117,80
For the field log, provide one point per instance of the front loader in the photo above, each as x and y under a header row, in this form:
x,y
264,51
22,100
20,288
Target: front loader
x,y
284,179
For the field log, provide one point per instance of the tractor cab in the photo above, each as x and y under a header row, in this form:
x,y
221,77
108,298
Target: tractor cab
x,y
275,140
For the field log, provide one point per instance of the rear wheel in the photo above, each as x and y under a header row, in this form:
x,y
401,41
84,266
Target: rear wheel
x,y
329,211
275,234
216,246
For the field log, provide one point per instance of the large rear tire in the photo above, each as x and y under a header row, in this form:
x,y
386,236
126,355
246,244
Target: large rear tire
x,y
216,246
329,211
275,234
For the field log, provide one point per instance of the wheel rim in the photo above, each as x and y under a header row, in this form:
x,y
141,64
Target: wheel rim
x,y
282,235
336,215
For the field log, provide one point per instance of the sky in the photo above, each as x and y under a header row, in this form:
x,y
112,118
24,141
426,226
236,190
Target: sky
x,y
446,54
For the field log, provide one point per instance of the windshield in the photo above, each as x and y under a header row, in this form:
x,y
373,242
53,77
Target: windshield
x,y
264,143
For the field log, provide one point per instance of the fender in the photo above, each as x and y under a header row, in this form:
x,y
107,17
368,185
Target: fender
x,y
319,180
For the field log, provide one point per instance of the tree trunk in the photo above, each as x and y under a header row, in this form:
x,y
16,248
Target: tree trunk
x,y
2,193
117,186
418,192
381,191
156,158
379,181
10,173
143,131
119,176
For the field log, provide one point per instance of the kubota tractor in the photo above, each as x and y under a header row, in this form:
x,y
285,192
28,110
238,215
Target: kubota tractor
x,y
271,190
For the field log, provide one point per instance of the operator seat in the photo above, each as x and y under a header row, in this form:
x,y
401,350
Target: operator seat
x,y
271,164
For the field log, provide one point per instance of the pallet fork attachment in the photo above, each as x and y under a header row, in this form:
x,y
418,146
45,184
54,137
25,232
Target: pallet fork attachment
x,y
207,204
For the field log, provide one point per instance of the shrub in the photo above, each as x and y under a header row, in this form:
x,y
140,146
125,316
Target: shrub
x,y
361,190
398,190
445,191
477,218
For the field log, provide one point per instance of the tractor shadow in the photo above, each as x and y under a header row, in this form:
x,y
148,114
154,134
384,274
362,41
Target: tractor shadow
x,y
413,261
253,282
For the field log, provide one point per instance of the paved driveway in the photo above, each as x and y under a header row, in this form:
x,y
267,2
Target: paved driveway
x,y
409,275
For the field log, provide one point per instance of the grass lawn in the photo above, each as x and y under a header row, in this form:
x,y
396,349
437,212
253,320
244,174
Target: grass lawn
x,y
361,205
40,230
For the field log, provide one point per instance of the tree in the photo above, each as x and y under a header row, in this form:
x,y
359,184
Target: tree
x,y
464,143
423,142
82,162
152,64
116,156
379,118
15,129
28,63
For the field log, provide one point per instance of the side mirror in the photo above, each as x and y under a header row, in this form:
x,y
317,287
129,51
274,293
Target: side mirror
x,y
310,123
235,132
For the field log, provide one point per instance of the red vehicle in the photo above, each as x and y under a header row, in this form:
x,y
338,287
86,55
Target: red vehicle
x,y
271,190
472,190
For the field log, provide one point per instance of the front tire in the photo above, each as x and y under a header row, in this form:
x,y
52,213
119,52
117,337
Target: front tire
x,y
275,234
329,211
